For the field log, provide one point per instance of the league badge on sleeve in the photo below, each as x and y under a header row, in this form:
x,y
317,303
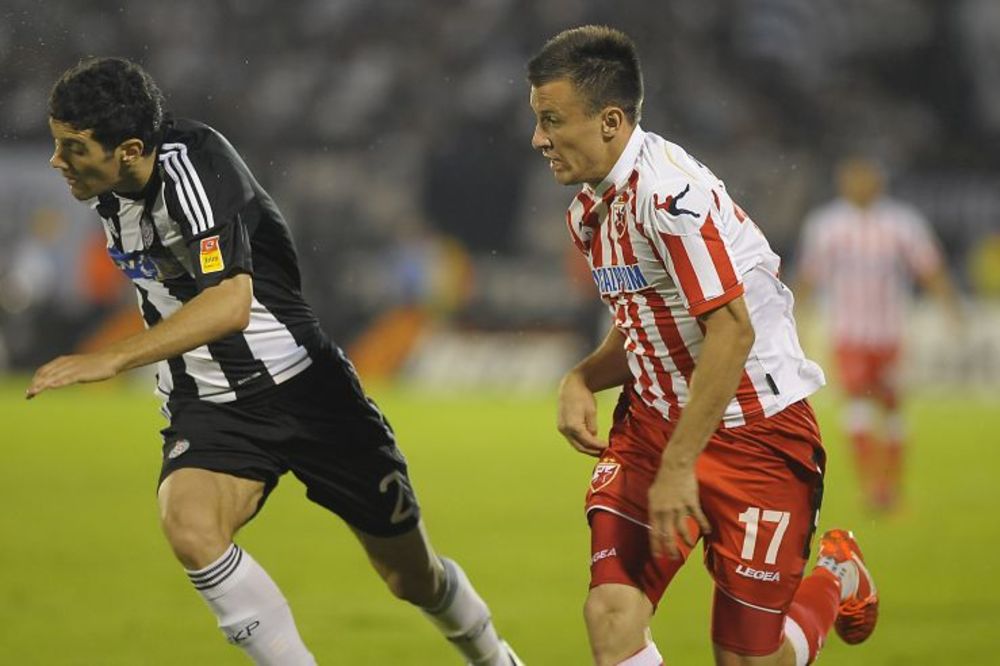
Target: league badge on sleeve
x,y
211,255
605,472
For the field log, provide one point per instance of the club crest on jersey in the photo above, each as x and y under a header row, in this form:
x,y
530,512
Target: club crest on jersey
x,y
179,447
612,280
605,472
211,255
146,227
619,208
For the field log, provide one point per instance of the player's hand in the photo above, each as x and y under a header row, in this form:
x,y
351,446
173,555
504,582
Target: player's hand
x,y
74,369
578,416
673,498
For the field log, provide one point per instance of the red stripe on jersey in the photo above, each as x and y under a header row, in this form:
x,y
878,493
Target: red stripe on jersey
x,y
746,395
587,219
684,268
663,377
730,294
625,239
596,245
577,239
720,256
609,224
644,380
671,335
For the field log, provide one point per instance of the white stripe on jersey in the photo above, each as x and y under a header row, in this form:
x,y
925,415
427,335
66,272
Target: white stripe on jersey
x,y
179,186
169,233
175,155
207,373
704,268
270,340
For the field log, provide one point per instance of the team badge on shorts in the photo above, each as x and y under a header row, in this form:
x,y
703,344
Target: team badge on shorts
x,y
605,472
180,446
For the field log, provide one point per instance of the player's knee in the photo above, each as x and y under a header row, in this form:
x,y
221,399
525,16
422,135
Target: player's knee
x,y
612,620
196,540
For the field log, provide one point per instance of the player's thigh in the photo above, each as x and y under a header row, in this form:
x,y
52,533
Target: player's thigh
x,y
344,451
763,510
202,503
620,555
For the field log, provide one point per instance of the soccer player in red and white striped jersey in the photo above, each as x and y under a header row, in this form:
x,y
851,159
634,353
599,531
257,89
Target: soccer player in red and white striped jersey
x,y
713,437
865,251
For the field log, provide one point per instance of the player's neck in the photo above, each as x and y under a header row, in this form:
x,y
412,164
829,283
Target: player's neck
x,y
614,150
135,178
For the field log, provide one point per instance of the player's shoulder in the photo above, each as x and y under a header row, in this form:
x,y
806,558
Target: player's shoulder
x,y
901,213
198,140
830,215
674,190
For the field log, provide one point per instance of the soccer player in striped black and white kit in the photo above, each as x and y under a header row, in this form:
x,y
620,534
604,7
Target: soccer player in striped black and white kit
x,y
253,388
864,252
713,437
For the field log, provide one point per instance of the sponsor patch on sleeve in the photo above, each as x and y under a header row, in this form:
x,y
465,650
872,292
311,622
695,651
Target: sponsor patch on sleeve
x,y
211,255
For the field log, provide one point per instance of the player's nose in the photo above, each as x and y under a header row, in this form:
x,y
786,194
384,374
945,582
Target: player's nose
x,y
539,141
57,162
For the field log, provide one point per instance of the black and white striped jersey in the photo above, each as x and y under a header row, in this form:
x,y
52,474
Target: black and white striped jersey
x,y
201,219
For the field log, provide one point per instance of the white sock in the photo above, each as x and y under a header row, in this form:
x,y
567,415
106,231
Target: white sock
x,y
797,637
464,619
647,656
846,572
251,610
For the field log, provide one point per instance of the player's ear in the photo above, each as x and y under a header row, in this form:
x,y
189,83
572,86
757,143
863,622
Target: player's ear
x,y
129,151
612,121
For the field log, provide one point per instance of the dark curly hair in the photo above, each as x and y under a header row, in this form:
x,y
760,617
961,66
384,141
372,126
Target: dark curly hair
x,y
602,64
113,97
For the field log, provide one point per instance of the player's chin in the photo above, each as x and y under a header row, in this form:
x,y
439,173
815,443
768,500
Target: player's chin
x,y
80,192
565,177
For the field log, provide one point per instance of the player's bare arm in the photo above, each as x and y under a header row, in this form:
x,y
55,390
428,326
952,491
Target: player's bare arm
x,y
213,314
673,496
606,367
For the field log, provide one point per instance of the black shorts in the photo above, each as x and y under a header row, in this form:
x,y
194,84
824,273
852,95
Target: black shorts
x,y
321,427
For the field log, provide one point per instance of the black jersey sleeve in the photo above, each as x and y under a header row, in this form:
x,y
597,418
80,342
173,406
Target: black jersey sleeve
x,y
208,186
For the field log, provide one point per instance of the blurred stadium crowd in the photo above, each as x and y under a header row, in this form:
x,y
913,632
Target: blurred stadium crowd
x,y
395,137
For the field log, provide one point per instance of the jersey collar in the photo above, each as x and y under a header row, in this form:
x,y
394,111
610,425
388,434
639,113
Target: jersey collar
x,y
626,162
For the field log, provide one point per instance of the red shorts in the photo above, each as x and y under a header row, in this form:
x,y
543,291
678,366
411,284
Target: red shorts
x,y
760,487
869,371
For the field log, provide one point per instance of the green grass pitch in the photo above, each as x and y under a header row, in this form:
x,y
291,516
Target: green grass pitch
x,y
86,578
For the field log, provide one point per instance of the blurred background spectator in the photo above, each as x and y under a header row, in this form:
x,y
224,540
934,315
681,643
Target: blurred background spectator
x,y
395,135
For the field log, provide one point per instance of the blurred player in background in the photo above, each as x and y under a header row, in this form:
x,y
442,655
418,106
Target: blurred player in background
x,y
712,437
253,387
864,252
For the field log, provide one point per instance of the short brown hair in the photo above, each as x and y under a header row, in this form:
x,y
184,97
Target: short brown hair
x,y
601,62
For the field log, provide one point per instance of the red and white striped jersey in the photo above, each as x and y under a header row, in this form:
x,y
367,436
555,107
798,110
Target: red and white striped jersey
x,y
865,261
666,244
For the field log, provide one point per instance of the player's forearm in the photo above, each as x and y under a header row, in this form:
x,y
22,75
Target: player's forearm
x,y
607,367
729,337
211,315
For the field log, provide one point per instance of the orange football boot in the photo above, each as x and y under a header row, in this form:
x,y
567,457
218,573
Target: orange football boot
x,y
839,553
